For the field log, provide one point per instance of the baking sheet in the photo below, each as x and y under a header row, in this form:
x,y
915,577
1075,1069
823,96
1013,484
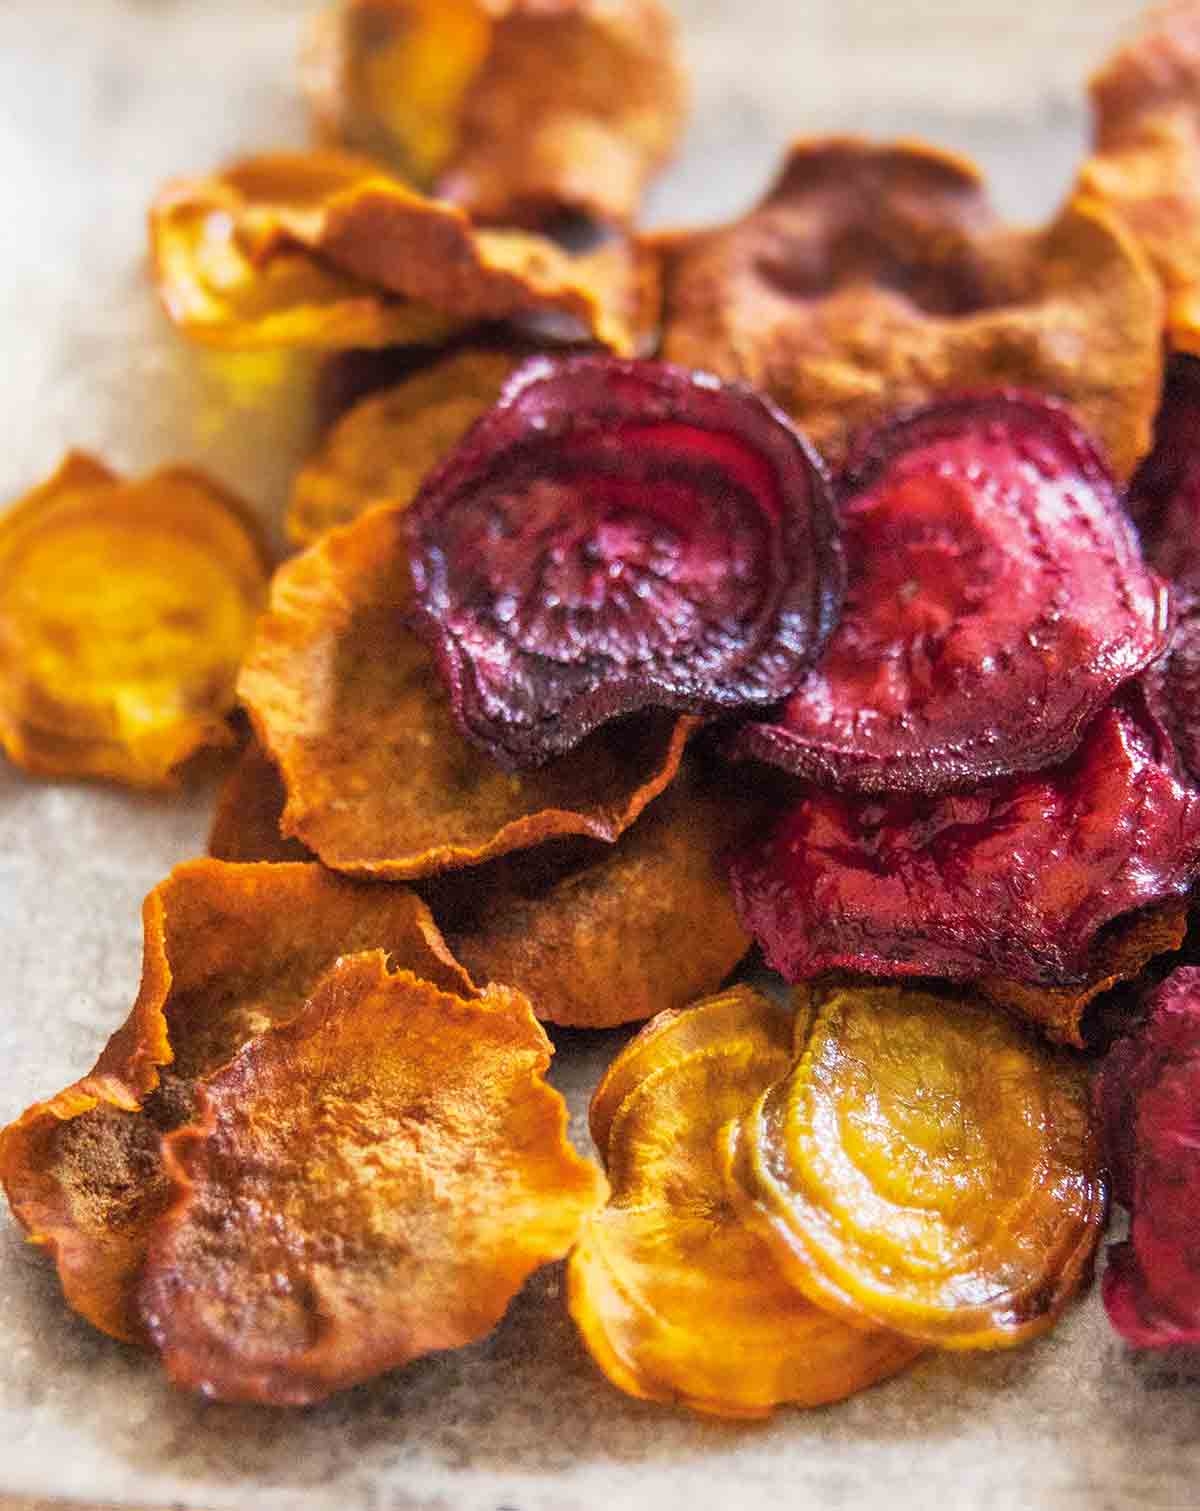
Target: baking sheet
x,y
100,100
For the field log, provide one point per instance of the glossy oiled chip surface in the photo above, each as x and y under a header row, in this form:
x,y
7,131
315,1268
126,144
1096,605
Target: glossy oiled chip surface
x,y
382,450
379,781
874,276
319,249
229,951
370,1182
996,599
928,1167
616,934
518,111
676,1299
1016,878
125,608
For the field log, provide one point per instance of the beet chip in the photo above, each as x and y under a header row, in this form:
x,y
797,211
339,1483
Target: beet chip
x,y
1149,1106
615,536
996,600
516,110
328,251
229,951
381,451
245,826
1146,159
125,608
380,783
1015,879
366,1184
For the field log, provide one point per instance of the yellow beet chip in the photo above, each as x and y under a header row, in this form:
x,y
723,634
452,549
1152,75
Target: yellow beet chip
x,y
927,1167
675,1297
325,250
382,449
517,110
369,1183
124,612
229,951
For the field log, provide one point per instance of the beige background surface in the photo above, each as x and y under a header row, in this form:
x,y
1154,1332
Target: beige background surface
x,y
99,101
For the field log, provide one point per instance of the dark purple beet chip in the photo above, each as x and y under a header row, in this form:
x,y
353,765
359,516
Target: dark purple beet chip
x,y
996,599
1015,879
1164,496
615,535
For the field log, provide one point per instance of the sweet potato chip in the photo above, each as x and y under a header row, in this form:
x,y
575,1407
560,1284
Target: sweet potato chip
x,y
1119,954
245,826
516,110
381,451
675,1297
617,934
324,250
124,611
380,783
928,1167
1145,162
366,1184
229,950
873,277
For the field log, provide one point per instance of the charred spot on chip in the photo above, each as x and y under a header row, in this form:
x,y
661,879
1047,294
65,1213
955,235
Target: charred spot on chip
x,y
615,536
125,608
874,276
996,599
363,1185
925,886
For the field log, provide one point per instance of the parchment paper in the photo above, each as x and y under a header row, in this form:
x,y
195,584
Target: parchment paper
x,y
100,100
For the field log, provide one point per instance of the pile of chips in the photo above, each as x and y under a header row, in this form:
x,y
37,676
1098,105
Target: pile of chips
x,y
823,581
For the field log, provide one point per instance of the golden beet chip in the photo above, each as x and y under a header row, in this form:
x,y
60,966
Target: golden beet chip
x,y
366,1184
124,612
675,1297
323,250
380,782
229,951
873,277
1146,158
928,1167
245,826
514,109
1119,954
382,449
618,933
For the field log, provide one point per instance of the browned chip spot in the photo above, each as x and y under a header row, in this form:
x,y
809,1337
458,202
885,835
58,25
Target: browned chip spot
x,y
515,109
873,277
382,449
325,250
229,951
1119,955
1146,161
371,1182
245,826
380,782
124,611
613,935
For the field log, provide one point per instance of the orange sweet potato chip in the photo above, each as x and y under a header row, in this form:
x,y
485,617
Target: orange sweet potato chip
x,y
616,934
245,825
675,1297
516,110
1146,158
927,1166
382,449
873,277
229,951
380,783
1120,954
324,250
124,611
366,1184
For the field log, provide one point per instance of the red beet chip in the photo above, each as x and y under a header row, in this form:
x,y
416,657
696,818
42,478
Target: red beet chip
x,y
1148,1100
1164,496
615,535
1015,879
996,599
